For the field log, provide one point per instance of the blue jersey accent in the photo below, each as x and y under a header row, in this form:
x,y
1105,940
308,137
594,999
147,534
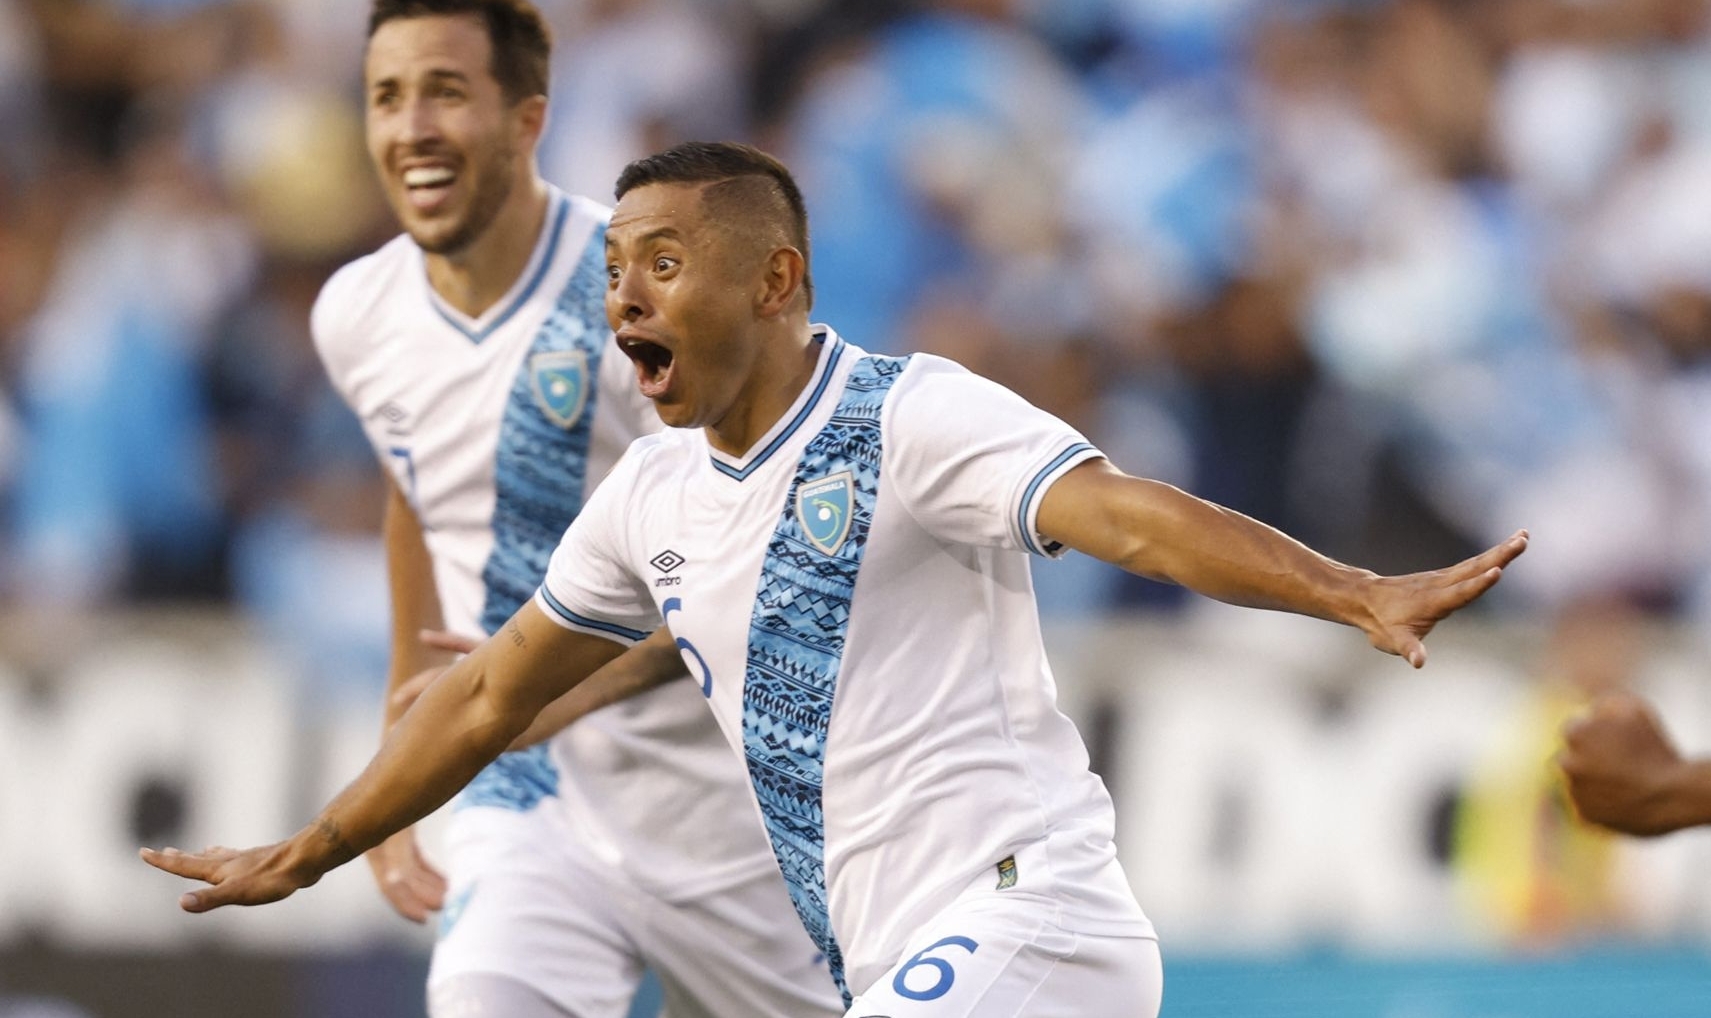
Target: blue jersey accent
x,y
539,481
795,422
796,646
1032,490
632,635
555,227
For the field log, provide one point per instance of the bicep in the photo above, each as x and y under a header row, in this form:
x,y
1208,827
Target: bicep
x,y
1098,510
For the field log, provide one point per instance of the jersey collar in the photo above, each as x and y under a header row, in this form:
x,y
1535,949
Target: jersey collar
x,y
832,350
528,281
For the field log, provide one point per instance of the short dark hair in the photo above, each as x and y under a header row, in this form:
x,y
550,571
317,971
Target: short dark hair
x,y
747,183
522,43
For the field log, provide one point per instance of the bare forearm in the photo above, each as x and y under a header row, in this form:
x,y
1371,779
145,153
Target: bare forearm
x,y
415,602
1689,801
647,665
452,731
1166,534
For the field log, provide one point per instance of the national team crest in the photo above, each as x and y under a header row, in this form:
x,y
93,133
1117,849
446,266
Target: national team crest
x,y
823,508
560,382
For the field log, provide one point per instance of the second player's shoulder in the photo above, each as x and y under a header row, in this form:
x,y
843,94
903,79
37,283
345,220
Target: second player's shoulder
x,y
357,296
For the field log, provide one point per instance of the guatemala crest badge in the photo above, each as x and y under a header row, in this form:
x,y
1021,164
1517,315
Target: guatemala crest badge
x,y
559,379
823,508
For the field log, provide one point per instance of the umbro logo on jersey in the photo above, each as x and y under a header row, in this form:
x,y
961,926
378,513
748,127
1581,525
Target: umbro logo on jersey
x,y
395,416
665,562
823,509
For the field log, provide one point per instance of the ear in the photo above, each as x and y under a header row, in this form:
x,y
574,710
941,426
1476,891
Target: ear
x,y
780,283
530,118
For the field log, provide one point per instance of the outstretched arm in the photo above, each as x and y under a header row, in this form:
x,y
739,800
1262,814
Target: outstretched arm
x,y
647,665
462,722
1160,532
1625,774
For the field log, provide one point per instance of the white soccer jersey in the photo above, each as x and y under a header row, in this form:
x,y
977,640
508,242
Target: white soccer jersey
x,y
495,428
854,597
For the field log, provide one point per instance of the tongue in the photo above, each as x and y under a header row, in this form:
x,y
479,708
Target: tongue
x,y
653,382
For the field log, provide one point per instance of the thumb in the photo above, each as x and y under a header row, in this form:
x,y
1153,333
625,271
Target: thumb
x,y
439,639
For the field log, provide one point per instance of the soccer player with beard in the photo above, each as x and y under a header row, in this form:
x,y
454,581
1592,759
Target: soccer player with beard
x,y
475,350
848,536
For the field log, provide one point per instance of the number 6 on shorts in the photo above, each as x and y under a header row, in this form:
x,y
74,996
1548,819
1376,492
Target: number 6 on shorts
x,y
945,976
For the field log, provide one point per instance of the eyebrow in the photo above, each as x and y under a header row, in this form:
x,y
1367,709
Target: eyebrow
x,y
662,232
438,74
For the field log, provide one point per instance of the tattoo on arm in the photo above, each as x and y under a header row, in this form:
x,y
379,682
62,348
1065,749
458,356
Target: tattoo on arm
x,y
335,838
516,633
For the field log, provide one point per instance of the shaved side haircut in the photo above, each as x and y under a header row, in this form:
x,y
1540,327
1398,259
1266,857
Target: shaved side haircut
x,y
750,193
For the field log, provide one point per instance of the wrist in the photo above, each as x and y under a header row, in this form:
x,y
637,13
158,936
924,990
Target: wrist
x,y
1687,795
315,850
1351,597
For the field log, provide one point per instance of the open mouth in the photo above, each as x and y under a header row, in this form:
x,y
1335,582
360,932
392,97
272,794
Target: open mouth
x,y
427,186
653,366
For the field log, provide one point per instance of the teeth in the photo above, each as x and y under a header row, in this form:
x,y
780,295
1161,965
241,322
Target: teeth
x,y
428,176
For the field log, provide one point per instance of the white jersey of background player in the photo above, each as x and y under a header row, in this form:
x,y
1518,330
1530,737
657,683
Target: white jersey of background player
x,y
575,861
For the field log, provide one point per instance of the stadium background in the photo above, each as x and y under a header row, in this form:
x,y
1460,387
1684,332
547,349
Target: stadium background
x,y
1395,275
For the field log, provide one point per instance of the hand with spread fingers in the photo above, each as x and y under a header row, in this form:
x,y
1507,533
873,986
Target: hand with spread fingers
x,y
253,876
1624,773
1401,610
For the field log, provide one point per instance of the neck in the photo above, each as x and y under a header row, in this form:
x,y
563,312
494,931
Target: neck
x,y
781,371
474,278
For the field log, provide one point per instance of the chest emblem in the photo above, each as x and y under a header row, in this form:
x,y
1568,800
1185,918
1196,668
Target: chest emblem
x,y
559,379
823,509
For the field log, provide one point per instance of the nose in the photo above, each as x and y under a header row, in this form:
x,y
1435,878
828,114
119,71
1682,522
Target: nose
x,y
418,123
626,299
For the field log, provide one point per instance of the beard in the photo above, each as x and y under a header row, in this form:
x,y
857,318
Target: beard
x,y
484,205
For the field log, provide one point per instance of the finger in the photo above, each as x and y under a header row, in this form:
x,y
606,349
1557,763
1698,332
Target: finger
x,y
404,901
1415,653
1460,595
1497,556
429,889
441,640
195,867
218,896
411,689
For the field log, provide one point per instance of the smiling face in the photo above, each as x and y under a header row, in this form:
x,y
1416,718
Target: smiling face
x,y
448,147
682,298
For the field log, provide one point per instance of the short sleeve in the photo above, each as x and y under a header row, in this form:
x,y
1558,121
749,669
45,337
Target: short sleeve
x,y
589,586
328,326
972,460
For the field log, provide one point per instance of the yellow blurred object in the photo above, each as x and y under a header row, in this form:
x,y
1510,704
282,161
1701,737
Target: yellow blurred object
x,y
300,172
1525,863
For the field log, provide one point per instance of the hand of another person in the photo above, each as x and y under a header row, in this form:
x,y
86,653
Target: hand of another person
x,y
1623,772
1401,610
412,886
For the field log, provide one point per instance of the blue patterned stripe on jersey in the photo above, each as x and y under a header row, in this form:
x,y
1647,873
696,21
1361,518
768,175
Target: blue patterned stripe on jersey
x,y
623,632
539,475
795,422
555,231
796,646
1033,488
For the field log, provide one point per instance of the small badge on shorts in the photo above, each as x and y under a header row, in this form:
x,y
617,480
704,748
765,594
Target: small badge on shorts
x,y
559,379
823,509
1007,872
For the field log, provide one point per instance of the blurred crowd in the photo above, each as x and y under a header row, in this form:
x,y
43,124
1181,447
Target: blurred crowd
x,y
1397,276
